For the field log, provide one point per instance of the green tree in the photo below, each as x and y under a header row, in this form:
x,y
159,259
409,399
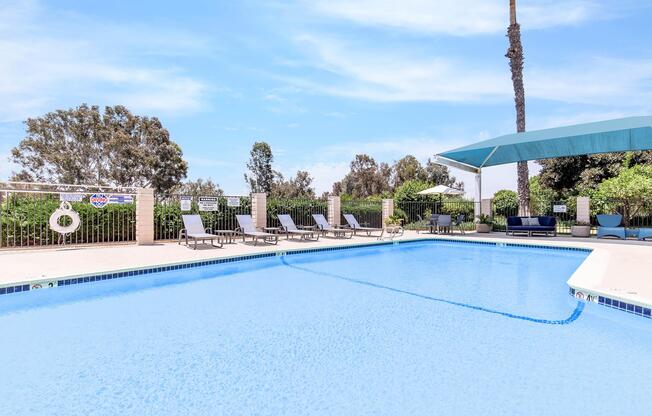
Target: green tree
x,y
569,176
85,146
506,202
406,169
261,177
298,187
541,198
366,178
515,55
198,187
409,192
630,190
440,175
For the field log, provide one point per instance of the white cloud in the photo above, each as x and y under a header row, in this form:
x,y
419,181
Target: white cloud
x,y
390,75
384,74
459,17
50,58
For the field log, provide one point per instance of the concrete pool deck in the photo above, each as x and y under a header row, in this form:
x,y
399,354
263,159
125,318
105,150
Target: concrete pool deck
x,y
615,269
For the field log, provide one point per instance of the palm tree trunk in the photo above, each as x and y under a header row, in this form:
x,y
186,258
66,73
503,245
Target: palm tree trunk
x,y
515,55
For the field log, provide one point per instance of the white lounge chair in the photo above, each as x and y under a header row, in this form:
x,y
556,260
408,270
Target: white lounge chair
x,y
194,229
247,229
325,227
355,226
289,227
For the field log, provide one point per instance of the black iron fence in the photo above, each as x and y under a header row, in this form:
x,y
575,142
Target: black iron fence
x,y
300,209
416,215
637,213
368,213
217,212
25,217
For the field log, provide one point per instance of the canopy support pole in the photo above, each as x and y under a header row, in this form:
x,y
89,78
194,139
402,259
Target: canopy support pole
x,y
477,209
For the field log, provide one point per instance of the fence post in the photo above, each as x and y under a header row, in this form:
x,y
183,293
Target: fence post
x,y
334,210
485,207
583,209
387,210
259,209
144,216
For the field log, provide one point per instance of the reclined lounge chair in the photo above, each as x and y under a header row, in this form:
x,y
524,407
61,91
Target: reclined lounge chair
x,y
289,227
325,227
194,230
355,226
609,226
247,228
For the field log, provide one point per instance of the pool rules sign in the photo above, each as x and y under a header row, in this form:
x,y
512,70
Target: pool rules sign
x,y
207,203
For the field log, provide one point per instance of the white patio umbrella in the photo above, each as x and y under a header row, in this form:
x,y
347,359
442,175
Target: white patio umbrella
x,y
441,190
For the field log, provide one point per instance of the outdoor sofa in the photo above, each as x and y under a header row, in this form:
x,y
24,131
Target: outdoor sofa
x,y
545,225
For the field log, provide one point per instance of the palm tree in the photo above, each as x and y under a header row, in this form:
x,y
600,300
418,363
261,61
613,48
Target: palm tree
x,y
515,55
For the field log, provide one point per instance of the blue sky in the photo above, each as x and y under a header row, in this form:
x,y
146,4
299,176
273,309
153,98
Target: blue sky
x,y
323,80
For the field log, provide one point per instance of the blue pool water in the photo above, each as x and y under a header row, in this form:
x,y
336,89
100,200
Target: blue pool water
x,y
412,329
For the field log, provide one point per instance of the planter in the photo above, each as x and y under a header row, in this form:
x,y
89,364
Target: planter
x,y
581,231
483,228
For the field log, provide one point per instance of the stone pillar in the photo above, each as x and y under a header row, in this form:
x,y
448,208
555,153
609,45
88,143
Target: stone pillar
x,y
583,209
334,210
144,216
485,207
259,209
387,210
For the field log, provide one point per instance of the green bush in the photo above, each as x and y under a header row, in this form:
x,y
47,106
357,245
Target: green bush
x,y
505,203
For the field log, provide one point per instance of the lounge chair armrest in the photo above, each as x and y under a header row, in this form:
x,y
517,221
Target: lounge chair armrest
x,y
209,230
308,227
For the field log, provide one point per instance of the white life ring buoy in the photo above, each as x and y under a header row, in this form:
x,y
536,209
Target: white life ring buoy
x,y
65,210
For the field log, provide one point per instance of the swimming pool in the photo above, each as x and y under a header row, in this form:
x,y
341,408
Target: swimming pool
x,y
428,327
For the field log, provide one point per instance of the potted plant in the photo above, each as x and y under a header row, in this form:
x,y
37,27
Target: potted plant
x,y
580,229
483,224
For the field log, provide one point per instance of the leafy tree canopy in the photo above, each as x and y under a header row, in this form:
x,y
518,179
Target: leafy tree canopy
x,y
408,168
506,202
85,146
409,192
368,178
629,191
580,174
261,175
298,187
198,187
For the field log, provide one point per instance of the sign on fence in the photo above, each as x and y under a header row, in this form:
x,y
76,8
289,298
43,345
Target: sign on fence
x,y
186,203
233,201
121,199
71,197
99,200
207,203
559,209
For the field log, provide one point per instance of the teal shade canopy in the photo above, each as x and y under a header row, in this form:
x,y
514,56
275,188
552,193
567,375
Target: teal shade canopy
x,y
620,135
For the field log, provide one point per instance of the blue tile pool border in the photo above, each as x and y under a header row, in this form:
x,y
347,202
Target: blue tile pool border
x,y
639,310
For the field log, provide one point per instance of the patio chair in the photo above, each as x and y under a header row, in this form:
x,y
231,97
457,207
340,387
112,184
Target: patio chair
x,y
194,230
444,223
247,228
355,226
459,221
289,227
644,233
434,218
325,227
609,226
